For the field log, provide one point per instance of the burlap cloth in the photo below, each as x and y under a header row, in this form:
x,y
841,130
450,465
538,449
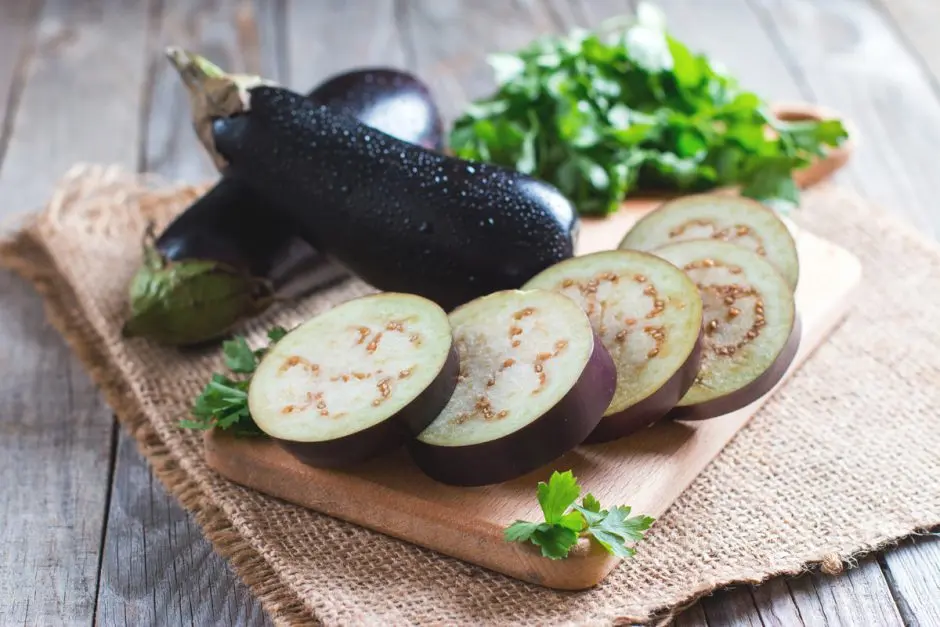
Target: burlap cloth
x,y
844,460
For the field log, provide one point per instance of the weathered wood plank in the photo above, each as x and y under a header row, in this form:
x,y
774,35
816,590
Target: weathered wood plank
x,y
80,101
17,26
751,55
856,597
913,573
81,97
775,605
596,11
175,577
916,22
692,617
452,38
226,33
333,36
731,607
853,60
158,569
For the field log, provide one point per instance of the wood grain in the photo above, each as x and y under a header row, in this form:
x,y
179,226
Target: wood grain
x,y
648,470
751,55
79,101
81,97
912,571
331,36
157,567
451,39
692,617
855,597
852,60
916,24
17,25
774,604
734,606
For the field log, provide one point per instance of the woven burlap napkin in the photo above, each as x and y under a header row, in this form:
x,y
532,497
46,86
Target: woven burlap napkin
x,y
841,461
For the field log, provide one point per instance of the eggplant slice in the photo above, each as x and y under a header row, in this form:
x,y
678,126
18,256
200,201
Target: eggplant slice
x,y
752,332
648,314
534,382
357,380
733,219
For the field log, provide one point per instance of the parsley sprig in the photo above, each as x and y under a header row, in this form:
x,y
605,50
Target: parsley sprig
x,y
223,403
602,114
566,521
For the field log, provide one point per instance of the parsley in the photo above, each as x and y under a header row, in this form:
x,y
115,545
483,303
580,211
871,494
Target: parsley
x,y
566,521
223,403
603,114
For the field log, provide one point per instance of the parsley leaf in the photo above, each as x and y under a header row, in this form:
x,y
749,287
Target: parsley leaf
x,y
557,495
238,355
554,541
520,531
276,333
607,114
613,529
223,402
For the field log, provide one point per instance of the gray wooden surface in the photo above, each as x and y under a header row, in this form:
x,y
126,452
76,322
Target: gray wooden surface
x,y
87,535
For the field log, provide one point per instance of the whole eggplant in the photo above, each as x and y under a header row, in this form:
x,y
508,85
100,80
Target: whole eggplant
x,y
399,216
219,261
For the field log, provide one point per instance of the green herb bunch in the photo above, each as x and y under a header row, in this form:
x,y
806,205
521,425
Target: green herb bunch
x,y
603,114
566,521
223,403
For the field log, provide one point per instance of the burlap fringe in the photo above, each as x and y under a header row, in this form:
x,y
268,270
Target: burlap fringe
x,y
24,255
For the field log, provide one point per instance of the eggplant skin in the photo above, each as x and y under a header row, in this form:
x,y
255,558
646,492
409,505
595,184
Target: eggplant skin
x,y
750,392
551,435
388,435
225,226
231,225
400,217
229,242
390,100
653,407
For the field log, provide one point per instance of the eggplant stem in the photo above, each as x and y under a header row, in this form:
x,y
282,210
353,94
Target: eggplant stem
x,y
153,258
213,93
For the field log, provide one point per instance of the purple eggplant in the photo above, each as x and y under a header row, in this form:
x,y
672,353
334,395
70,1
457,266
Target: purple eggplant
x,y
224,257
399,216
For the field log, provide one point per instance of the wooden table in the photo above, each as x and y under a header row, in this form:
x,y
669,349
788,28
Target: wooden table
x,y
86,533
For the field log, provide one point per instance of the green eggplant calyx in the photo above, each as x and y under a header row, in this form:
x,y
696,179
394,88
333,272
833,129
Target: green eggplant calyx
x,y
193,301
213,93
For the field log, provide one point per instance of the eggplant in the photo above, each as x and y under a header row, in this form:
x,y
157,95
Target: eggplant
x,y
734,219
534,381
752,330
223,258
397,215
356,381
648,314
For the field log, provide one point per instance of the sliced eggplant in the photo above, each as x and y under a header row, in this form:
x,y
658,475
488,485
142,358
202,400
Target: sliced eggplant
x,y
357,380
534,382
734,219
752,331
648,314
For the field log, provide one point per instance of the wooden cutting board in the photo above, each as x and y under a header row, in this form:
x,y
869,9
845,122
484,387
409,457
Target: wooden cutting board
x,y
647,471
